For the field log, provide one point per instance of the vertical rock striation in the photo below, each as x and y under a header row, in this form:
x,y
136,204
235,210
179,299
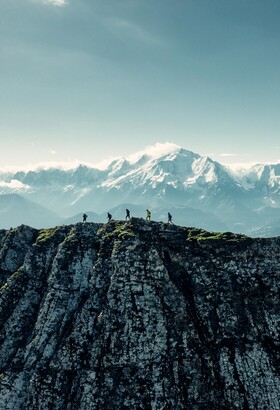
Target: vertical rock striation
x,y
136,315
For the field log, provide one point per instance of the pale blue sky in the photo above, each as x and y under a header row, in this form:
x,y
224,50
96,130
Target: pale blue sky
x,y
88,79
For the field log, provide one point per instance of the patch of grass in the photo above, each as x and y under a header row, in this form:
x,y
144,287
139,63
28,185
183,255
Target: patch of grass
x,y
201,235
121,230
4,287
11,278
125,233
15,275
72,236
46,234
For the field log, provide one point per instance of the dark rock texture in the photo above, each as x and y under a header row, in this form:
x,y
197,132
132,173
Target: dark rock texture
x,y
137,315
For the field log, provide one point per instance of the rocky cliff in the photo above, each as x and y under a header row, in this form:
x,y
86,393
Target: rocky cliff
x,y
137,315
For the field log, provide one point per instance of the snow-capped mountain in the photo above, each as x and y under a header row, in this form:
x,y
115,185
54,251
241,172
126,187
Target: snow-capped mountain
x,y
263,179
238,200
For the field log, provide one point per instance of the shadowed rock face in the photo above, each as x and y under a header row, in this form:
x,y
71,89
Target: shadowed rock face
x,y
138,315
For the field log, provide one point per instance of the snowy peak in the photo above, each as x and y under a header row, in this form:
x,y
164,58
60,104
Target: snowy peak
x,y
258,176
204,171
150,169
180,169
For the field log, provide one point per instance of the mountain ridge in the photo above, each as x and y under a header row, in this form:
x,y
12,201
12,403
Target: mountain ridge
x,y
138,315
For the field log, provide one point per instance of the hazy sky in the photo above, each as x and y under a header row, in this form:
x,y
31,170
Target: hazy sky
x,y
89,79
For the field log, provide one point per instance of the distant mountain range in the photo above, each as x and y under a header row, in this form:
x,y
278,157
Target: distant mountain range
x,y
16,210
196,190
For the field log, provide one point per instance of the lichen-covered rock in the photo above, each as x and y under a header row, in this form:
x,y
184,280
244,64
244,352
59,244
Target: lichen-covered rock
x,y
138,315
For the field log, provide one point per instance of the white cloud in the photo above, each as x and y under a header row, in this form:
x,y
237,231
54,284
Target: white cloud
x,y
103,164
227,155
56,2
241,166
208,154
14,184
155,151
64,165
52,151
8,171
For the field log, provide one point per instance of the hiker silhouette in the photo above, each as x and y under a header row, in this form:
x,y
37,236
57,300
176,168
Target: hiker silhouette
x,y
169,218
127,214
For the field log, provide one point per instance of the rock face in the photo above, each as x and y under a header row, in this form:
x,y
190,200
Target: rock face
x,y
138,315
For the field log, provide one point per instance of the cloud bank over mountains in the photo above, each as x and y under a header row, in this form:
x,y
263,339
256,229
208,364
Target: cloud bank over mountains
x,y
154,151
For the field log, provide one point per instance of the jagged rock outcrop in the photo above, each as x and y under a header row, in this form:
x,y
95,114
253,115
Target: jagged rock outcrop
x,y
137,315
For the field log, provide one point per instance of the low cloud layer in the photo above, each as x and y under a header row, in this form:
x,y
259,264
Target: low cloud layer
x,y
14,184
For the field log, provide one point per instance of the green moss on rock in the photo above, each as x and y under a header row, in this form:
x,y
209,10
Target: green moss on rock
x,y
201,235
119,230
14,276
46,234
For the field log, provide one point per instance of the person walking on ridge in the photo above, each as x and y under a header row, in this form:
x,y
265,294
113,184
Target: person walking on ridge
x,y
109,216
127,214
85,218
148,217
170,218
